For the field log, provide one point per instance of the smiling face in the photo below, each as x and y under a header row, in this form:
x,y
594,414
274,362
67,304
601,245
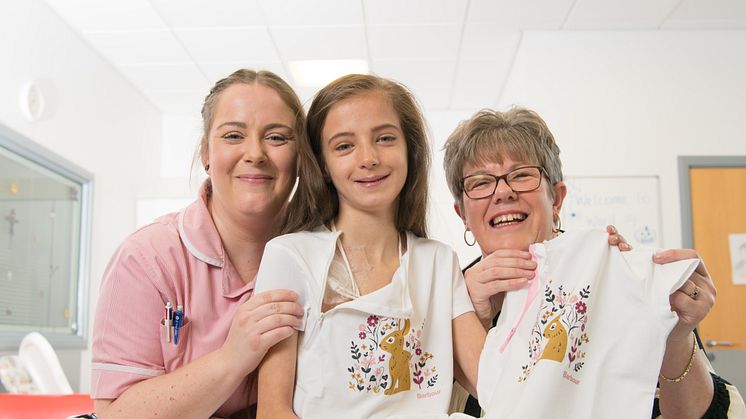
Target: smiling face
x,y
510,220
365,153
251,151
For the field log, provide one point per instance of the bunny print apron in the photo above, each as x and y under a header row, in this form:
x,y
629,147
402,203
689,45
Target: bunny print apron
x,y
586,338
385,353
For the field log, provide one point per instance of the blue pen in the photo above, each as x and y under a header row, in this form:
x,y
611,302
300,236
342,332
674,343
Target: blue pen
x,y
178,319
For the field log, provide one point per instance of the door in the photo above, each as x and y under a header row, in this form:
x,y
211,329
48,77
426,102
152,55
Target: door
x,y
718,209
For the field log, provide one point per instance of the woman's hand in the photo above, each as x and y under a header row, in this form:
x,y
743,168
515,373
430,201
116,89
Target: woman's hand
x,y
694,299
503,270
265,319
616,239
691,396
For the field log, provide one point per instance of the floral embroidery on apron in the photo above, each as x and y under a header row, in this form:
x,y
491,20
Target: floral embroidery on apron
x,y
388,357
559,332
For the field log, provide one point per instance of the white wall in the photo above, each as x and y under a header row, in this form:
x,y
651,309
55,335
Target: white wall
x,y
98,121
626,103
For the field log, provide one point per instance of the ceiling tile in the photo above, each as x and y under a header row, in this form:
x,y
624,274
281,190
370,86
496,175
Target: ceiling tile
x,y
414,12
217,71
483,40
414,42
146,47
525,14
213,13
320,43
97,15
229,45
429,80
177,101
710,14
318,12
613,14
166,76
479,82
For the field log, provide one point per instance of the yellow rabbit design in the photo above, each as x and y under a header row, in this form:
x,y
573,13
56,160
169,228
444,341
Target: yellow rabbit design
x,y
557,345
393,343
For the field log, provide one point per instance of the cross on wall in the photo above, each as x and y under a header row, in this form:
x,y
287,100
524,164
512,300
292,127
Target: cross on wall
x,y
12,221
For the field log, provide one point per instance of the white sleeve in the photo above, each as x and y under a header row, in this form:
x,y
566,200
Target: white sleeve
x,y
280,269
461,300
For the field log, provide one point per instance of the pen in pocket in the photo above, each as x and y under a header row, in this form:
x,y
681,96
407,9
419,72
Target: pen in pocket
x,y
168,320
178,320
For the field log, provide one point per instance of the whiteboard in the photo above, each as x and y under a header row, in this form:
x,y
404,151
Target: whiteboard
x,y
630,203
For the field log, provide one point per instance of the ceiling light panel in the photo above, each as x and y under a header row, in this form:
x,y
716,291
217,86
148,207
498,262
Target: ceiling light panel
x,y
318,73
213,13
414,12
613,14
318,12
97,15
217,71
414,42
518,15
320,43
229,45
146,47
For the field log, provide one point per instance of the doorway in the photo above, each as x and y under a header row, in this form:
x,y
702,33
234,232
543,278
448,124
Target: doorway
x,y
713,216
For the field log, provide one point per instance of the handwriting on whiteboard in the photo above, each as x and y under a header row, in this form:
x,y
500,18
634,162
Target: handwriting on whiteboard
x,y
632,204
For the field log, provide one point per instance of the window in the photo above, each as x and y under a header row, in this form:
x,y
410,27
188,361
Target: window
x,y
45,212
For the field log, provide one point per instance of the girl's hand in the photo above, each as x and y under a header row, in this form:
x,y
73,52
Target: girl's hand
x,y
694,299
487,281
265,319
616,239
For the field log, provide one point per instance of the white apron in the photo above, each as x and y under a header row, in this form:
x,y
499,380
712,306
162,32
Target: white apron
x,y
586,339
386,353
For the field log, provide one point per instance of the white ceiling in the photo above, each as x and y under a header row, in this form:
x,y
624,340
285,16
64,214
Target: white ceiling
x,y
454,54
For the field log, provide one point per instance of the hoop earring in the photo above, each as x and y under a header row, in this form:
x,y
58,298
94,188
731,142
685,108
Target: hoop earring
x,y
557,227
474,240
207,167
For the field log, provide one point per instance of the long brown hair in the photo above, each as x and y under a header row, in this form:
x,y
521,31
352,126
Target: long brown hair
x,y
316,201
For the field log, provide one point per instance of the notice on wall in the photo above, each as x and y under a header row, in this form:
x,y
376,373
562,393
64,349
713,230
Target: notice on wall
x,y
630,203
738,258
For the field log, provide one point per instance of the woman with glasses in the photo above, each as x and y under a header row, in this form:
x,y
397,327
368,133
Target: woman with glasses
x,y
504,171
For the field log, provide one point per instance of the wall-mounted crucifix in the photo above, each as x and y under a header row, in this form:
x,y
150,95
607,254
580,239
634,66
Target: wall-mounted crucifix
x,y
12,221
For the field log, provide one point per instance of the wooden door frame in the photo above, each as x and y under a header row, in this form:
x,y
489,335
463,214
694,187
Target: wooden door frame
x,y
685,192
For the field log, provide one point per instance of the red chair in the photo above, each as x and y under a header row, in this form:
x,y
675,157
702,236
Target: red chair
x,y
43,406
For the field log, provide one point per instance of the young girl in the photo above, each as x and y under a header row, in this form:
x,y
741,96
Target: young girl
x,y
387,311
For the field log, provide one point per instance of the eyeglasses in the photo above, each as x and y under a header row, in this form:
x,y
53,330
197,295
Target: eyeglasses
x,y
522,179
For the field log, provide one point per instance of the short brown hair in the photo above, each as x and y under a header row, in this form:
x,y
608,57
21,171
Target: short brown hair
x,y
245,76
316,202
489,135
